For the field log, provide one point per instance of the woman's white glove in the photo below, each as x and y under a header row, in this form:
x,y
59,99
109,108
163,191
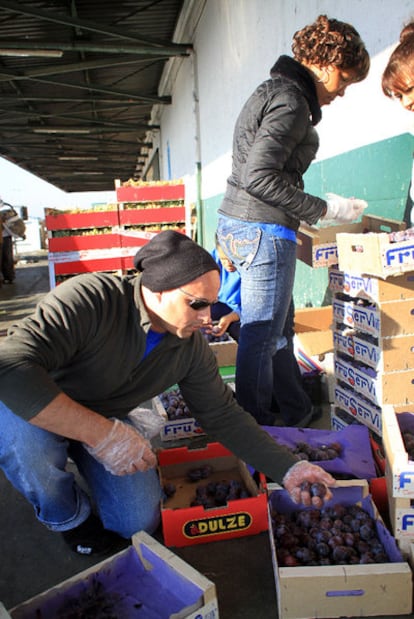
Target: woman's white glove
x,y
298,482
123,451
343,210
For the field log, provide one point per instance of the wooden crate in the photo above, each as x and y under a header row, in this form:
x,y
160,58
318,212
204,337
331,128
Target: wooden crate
x,y
374,254
400,469
317,246
137,573
386,320
357,286
344,590
107,240
390,354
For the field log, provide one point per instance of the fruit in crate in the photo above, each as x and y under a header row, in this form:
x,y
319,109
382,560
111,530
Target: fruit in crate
x,y
319,453
408,439
212,337
174,405
336,535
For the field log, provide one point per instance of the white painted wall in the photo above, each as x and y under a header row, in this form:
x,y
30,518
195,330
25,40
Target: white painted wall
x,y
236,42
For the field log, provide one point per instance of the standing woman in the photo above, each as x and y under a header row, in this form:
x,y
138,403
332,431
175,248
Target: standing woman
x,y
273,145
398,83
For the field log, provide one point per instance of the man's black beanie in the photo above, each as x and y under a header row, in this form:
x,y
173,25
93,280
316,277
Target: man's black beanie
x,y
170,260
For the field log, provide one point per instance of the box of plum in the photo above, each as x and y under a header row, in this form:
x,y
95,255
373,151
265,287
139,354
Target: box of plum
x,y
337,561
209,495
145,580
179,423
224,348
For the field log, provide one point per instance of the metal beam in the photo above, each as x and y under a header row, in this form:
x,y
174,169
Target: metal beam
x,y
90,87
18,7
165,51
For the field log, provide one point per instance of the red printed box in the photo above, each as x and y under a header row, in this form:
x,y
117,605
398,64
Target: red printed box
x,y
184,524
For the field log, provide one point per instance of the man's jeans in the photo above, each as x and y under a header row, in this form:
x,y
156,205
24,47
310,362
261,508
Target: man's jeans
x,y
35,460
266,368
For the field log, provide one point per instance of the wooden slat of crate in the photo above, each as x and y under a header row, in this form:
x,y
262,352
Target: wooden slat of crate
x,y
148,193
172,214
74,221
90,241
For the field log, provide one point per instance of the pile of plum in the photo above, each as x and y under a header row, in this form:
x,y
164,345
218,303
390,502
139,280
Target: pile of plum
x,y
174,405
212,493
337,535
211,337
328,451
408,439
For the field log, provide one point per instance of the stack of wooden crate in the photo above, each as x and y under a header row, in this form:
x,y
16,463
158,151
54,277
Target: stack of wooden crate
x,y
373,338
107,238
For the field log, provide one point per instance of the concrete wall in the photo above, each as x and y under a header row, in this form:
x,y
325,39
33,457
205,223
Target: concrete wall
x,y
366,139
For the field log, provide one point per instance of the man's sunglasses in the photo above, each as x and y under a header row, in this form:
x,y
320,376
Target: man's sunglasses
x,y
197,303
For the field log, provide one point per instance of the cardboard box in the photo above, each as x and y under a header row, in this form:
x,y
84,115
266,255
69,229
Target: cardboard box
x,y
390,388
358,407
400,469
341,419
313,330
173,429
390,354
225,352
397,288
388,320
401,512
343,590
374,254
184,525
317,247
145,574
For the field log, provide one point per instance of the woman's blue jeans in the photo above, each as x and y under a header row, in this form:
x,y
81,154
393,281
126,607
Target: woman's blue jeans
x,y
268,379
35,460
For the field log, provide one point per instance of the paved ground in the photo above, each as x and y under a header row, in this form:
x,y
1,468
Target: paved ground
x,y
32,559
31,283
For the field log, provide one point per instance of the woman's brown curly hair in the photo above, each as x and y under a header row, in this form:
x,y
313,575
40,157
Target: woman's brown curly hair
x,y
400,68
331,42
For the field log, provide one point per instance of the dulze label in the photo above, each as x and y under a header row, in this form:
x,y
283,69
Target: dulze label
x,y
217,525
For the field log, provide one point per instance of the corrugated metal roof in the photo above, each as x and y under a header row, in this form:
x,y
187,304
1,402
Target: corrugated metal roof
x,y
78,114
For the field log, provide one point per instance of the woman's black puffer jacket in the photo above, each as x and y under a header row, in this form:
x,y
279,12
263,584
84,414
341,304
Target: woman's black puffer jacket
x,y
274,144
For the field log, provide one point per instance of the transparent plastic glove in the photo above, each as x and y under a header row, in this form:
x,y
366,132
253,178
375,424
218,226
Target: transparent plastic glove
x,y
343,210
298,479
123,451
146,421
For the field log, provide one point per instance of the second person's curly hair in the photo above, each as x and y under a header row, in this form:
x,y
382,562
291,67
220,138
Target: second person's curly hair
x,y
331,42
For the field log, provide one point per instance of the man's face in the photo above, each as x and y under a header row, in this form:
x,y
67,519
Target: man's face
x,y
173,312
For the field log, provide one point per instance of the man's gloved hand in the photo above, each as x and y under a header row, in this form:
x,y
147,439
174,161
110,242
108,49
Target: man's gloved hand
x,y
123,451
343,210
298,482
